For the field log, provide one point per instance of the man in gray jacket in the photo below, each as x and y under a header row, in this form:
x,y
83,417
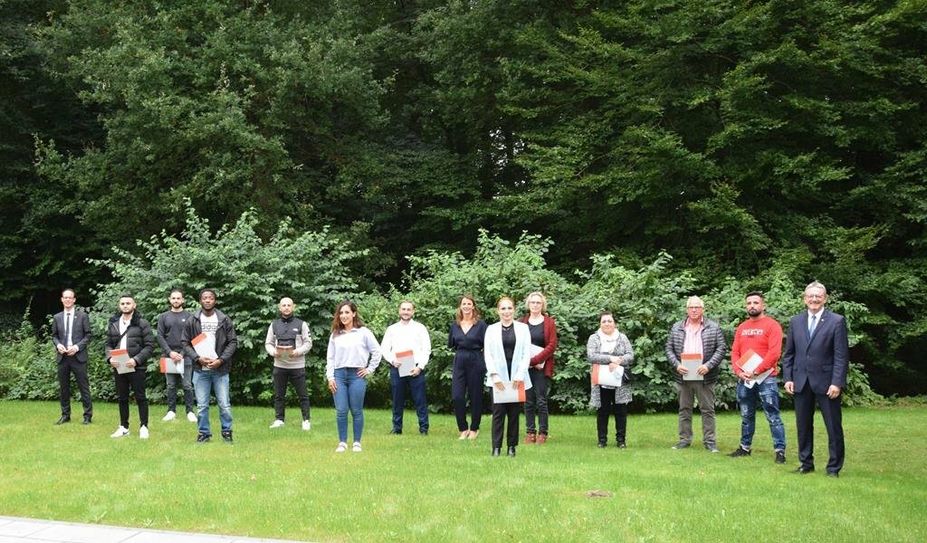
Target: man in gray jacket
x,y
698,343
287,342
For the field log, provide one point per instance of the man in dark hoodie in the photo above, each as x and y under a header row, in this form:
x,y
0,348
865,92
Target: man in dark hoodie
x,y
129,344
209,341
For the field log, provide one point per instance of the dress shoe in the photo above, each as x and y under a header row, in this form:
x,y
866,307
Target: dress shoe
x,y
833,474
511,451
601,444
395,432
804,470
64,419
86,420
496,451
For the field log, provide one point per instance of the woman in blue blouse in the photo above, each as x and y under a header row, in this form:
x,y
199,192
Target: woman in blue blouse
x,y
466,339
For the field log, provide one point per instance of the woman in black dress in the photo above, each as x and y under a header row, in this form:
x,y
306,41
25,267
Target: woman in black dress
x,y
466,338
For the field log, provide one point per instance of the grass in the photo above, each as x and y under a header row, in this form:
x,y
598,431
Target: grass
x,y
290,484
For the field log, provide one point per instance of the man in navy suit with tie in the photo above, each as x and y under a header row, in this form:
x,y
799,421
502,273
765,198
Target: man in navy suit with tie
x,y
815,371
70,336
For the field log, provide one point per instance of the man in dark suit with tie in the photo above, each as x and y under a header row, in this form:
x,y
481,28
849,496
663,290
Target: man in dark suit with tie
x,y
815,371
70,336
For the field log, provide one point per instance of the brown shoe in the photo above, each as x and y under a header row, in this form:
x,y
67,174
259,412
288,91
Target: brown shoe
x,y
542,439
531,438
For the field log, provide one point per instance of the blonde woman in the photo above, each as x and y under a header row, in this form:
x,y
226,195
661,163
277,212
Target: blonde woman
x,y
541,369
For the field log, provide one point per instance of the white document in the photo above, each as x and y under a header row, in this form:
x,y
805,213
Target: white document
x,y
748,363
204,347
169,366
691,362
534,350
406,361
510,394
121,357
603,375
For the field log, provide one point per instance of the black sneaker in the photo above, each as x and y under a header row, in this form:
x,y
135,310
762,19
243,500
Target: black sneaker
x,y
780,457
682,445
710,447
740,452
202,438
227,436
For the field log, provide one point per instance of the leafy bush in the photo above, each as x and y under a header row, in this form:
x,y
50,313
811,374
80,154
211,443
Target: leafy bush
x,y
249,274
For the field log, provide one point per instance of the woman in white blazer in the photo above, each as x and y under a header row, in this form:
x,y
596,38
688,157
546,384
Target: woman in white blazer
x,y
507,353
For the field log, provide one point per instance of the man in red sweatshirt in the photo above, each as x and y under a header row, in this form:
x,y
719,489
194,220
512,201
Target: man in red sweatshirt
x,y
754,359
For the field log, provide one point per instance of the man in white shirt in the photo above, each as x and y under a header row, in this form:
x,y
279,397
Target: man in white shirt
x,y
70,336
406,346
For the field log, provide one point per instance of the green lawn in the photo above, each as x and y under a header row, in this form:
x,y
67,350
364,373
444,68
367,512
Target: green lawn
x,y
290,484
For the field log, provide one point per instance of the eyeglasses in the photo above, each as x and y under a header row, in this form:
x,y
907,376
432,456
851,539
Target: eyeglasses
x,y
695,307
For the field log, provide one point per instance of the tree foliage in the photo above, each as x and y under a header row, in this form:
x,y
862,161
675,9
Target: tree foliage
x,y
739,137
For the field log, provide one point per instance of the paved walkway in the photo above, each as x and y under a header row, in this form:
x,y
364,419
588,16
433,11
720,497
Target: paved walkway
x,y
27,530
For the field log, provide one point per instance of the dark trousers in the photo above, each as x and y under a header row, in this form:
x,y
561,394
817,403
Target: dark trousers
x,y
607,409
468,380
501,412
416,386
66,366
536,403
186,381
297,376
136,381
805,400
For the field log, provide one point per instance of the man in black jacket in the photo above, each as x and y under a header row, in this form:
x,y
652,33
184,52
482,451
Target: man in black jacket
x,y
209,341
129,344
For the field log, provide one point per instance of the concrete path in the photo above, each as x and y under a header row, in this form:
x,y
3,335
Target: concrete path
x,y
27,530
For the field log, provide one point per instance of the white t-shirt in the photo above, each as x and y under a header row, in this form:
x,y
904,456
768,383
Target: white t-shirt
x,y
209,327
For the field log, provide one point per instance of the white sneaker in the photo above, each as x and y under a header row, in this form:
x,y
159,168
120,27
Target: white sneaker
x,y
277,424
356,447
120,432
191,416
170,416
306,425
341,447
142,432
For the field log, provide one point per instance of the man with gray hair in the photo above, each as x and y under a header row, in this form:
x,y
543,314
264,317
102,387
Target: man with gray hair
x,y
695,350
814,367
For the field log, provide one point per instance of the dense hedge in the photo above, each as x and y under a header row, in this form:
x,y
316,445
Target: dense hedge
x,y
252,274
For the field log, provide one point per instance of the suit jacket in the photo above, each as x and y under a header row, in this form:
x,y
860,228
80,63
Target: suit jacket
x,y
820,360
80,334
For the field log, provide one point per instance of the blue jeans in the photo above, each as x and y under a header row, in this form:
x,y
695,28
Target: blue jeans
x,y
349,394
417,388
205,382
767,393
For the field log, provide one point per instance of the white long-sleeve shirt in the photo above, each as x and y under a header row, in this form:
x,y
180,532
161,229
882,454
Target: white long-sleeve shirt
x,y
355,349
407,336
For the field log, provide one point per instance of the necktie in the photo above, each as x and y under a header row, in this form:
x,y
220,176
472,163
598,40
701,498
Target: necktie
x,y
811,324
67,329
